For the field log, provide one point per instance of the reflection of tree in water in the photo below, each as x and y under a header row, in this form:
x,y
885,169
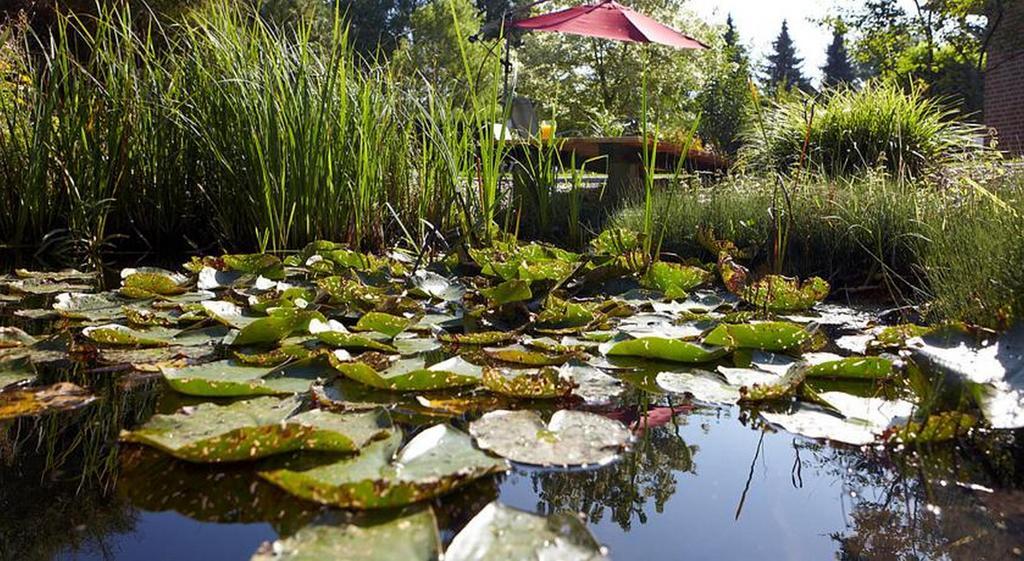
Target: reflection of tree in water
x,y
624,488
909,506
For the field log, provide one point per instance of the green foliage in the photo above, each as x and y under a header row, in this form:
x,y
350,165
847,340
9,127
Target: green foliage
x,y
838,68
906,134
783,69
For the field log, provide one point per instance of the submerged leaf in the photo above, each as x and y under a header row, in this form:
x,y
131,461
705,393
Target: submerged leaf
x,y
436,461
499,532
571,438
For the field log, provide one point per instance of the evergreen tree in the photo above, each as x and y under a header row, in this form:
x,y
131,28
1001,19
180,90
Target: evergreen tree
x,y
838,69
737,53
783,68
725,94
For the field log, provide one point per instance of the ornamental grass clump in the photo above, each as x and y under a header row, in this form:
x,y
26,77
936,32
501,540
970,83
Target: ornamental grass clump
x,y
850,131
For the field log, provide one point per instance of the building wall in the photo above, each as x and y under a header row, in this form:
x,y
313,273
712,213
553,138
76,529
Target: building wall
x,y
1004,79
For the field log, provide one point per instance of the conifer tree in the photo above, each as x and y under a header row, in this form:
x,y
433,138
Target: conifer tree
x,y
784,66
838,69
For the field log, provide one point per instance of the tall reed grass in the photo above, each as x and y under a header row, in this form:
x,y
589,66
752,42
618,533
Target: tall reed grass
x,y
223,129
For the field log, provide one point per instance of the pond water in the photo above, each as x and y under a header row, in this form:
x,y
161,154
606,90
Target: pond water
x,y
698,480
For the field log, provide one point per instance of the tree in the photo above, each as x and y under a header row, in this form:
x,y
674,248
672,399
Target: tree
x,y
724,95
784,66
433,48
593,85
838,69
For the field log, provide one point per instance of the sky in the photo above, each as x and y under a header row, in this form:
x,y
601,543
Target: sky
x,y
759,21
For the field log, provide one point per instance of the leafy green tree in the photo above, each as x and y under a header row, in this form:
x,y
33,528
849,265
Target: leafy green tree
x,y
939,44
594,85
784,66
838,68
725,95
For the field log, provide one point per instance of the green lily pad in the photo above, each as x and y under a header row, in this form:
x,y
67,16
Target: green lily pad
x,y
228,378
479,338
766,336
407,374
256,428
673,350
501,532
824,365
281,323
409,535
529,383
616,242
387,324
31,402
261,264
940,427
776,293
354,342
16,370
896,336
508,292
151,282
436,461
675,280
518,354
120,335
571,438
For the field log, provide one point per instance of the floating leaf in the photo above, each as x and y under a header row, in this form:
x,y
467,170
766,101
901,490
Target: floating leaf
x,y
518,354
543,383
407,374
896,336
591,384
30,402
766,336
673,350
15,337
508,292
408,535
151,282
387,324
280,324
674,279
860,420
91,307
776,293
703,386
616,242
478,338
825,365
571,438
436,461
260,264
227,378
434,285
352,341
255,428
501,532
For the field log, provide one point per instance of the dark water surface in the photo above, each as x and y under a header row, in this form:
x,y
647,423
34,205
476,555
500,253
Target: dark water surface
x,y
701,483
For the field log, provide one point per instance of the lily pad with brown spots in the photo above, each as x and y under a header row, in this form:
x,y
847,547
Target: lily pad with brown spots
x,y
406,374
385,474
229,378
31,402
527,383
256,428
571,438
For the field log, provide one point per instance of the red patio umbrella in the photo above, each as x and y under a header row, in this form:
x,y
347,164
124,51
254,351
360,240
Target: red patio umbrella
x,y
609,20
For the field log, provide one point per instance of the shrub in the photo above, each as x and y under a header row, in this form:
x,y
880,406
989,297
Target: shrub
x,y
850,131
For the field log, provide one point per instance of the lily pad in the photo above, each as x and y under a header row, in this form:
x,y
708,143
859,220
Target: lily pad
x,y
436,461
15,337
30,402
529,383
90,307
228,378
518,354
703,386
260,264
354,342
857,420
776,293
673,350
255,428
508,292
281,323
674,279
151,282
825,365
591,384
407,374
501,532
387,324
766,336
409,535
478,338
571,438
434,285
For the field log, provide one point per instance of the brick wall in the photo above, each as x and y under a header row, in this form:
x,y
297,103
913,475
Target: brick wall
x,y
1004,79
